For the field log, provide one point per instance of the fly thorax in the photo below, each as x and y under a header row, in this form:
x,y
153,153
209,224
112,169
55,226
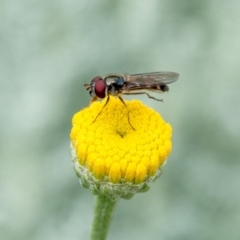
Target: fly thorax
x,y
112,91
114,84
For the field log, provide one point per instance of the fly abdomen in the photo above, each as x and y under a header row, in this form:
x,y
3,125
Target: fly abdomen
x,y
163,88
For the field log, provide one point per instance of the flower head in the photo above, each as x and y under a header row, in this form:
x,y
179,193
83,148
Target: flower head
x,y
109,156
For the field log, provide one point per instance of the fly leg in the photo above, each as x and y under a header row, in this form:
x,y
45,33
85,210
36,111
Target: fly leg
x,y
93,100
101,109
127,112
138,93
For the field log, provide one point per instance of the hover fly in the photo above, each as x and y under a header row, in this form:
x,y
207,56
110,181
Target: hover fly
x,y
129,84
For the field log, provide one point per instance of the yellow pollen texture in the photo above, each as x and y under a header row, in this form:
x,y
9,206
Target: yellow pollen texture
x,y
111,150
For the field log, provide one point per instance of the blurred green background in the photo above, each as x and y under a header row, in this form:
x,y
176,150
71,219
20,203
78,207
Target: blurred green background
x,y
49,49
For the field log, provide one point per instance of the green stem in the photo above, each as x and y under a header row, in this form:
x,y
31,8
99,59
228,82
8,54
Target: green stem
x,y
103,212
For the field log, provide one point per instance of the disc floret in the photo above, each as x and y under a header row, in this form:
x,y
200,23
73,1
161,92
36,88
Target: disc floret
x,y
110,157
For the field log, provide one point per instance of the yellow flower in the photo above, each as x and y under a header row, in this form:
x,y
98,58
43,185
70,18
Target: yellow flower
x,y
112,158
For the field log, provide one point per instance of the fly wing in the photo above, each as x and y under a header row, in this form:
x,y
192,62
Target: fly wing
x,y
149,81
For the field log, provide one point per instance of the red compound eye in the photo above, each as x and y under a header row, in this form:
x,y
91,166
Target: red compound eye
x,y
100,87
96,79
